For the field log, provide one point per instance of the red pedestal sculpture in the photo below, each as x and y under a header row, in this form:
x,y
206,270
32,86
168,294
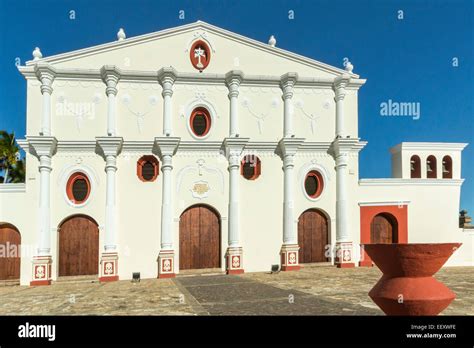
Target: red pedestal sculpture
x,y
407,286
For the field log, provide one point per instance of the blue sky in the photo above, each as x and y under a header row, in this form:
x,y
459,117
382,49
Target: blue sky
x,y
405,60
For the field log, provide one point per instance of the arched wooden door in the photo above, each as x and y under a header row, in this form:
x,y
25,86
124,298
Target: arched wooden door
x,y
199,238
383,229
78,246
312,236
10,255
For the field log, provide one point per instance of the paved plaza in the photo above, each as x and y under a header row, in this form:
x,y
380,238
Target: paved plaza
x,y
314,290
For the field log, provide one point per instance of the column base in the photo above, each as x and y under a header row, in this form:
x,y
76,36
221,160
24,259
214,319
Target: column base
x,y
289,257
234,260
166,264
41,270
344,255
109,267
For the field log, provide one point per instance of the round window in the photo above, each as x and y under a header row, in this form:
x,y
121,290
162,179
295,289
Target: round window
x,y
251,167
147,168
78,188
200,55
200,122
313,184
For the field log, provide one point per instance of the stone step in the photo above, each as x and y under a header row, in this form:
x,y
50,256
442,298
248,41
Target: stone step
x,y
200,272
77,279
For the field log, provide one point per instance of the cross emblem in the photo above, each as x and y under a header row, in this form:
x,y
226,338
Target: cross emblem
x,y
198,53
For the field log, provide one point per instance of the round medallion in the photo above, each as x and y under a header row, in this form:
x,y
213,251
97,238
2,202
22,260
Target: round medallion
x,y
200,55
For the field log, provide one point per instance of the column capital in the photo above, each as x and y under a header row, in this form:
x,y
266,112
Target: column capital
x,y
289,146
287,82
233,146
233,79
110,75
39,145
109,146
166,77
344,145
339,86
45,73
166,146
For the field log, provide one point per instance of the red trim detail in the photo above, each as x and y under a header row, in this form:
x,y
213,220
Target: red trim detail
x,y
204,61
141,162
40,282
166,275
200,111
319,179
367,213
345,265
72,179
108,279
290,268
235,271
257,166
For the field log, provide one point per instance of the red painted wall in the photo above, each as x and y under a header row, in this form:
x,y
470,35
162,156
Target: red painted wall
x,y
367,213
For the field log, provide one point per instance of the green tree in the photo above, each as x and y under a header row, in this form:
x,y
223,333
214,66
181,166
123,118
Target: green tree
x,y
18,171
8,153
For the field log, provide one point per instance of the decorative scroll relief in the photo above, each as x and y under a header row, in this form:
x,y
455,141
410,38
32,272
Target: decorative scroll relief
x,y
139,115
299,104
199,189
260,117
200,35
200,100
78,110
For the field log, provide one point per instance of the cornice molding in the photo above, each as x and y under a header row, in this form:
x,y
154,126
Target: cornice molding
x,y
166,146
425,146
289,146
109,146
39,145
13,188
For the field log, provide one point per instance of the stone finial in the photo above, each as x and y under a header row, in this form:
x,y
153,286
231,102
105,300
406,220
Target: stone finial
x,y
349,67
121,35
37,54
272,41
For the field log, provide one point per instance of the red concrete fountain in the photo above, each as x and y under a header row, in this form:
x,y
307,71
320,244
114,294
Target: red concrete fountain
x,y
407,286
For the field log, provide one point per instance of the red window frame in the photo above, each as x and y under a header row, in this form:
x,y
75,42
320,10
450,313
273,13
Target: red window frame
x,y
70,183
207,115
194,61
257,169
141,162
319,179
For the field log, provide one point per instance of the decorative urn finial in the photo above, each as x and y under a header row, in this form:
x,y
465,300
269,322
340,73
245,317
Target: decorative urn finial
x,y
349,67
272,41
121,34
37,54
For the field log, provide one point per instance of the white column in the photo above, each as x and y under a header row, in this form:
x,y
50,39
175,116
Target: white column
x,y
166,78
287,148
234,255
45,74
342,231
287,82
166,147
233,79
110,147
340,84
43,147
111,75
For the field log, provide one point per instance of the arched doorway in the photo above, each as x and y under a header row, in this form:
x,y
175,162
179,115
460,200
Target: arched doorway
x,y
199,238
10,255
313,236
78,246
384,229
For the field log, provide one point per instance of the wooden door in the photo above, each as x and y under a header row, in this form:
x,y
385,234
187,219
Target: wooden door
x,y
382,230
312,236
10,241
78,247
199,238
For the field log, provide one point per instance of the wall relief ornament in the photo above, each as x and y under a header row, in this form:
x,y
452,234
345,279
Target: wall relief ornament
x,y
199,169
139,115
200,189
79,110
260,117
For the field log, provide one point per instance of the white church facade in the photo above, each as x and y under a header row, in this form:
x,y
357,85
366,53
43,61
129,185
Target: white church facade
x,y
198,148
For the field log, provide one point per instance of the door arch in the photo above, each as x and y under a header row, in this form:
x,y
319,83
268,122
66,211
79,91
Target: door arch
x,y
78,246
384,229
10,252
313,236
199,238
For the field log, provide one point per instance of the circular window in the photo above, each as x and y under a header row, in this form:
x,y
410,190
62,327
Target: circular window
x,y
251,167
313,184
78,188
147,168
200,122
200,55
